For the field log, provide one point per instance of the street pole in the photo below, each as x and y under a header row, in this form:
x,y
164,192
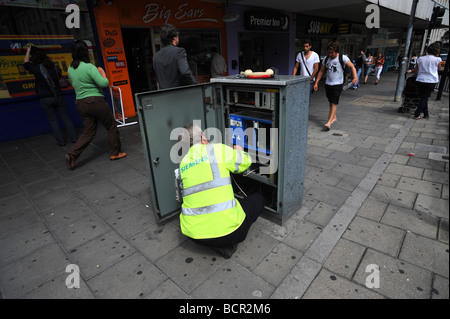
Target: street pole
x,y
444,77
401,74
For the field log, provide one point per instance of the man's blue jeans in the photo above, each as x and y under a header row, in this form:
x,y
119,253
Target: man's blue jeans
x,y
359,75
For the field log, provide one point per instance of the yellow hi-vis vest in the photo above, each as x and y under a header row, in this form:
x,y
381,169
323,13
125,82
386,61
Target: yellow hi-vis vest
x,y
209,209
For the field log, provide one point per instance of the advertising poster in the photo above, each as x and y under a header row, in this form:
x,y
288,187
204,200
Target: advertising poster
x,y
15,81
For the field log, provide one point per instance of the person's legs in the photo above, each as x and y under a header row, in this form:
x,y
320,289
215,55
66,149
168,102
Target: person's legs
x,y
89,128
359,75
333,94
107,118
332,114
425,91
62,111
48,104
253,206
378,74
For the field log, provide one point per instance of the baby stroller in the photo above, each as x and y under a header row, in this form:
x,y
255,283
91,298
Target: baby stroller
x,y
410,95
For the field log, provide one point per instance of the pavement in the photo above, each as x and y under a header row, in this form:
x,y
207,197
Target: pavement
x,y
373,222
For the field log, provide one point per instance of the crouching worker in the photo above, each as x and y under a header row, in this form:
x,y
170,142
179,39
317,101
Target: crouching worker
x,y
210,214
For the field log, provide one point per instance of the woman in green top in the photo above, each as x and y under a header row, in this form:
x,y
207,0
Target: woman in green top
x,y
88,82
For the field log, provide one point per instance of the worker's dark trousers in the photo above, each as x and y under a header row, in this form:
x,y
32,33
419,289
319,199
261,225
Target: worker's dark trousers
x,y
253,206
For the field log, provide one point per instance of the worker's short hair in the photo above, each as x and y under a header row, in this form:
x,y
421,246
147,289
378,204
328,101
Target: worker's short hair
x,y
192,133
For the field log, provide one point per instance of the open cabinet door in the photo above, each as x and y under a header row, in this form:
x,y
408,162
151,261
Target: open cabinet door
x,y
161,112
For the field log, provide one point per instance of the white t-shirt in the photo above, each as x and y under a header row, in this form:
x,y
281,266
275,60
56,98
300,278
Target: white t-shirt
x,y
428,69
313,59
335,73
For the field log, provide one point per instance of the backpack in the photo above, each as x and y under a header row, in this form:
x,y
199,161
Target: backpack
x,y
341,61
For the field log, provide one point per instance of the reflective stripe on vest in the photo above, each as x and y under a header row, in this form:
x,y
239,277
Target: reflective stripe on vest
x,y
205,186
209,209
215,183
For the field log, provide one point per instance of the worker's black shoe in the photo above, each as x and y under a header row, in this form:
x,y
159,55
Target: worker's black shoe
x,y
227,252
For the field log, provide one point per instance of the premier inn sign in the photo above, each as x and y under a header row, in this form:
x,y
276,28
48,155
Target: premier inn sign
x,y
266,21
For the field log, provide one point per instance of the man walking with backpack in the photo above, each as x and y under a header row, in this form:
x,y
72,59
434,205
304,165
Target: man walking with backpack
x,y
335,65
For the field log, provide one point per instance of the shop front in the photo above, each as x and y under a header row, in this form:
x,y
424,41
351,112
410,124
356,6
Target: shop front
x,y
259,39
320,31
42,24
129,38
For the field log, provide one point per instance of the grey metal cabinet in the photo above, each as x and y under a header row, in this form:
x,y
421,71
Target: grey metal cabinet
x,y
269,117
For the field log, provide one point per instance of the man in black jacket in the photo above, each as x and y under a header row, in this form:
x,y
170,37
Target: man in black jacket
x,y
170,63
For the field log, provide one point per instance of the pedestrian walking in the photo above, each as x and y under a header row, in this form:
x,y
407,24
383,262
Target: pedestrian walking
x,y
49,93
368,66
427,68
88,82
379,63
308,61
335,65
359,64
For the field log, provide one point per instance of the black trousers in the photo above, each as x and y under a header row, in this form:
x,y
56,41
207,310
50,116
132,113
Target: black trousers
x,y
253,206
425,91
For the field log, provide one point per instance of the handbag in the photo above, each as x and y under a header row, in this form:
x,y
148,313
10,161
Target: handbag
x,y
62,81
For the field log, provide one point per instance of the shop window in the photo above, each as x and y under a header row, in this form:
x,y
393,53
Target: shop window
x,y
198,44
42,24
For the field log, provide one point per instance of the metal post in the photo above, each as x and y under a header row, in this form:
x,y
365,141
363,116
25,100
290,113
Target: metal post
x,y
403,66
444,77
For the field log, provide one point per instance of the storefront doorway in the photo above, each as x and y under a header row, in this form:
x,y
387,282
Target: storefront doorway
x,y
138,50
251,52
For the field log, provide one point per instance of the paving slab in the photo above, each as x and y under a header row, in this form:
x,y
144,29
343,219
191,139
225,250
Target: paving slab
x,y
375,235
432,205
440,288
157,240
232,281
397,279
328,285
56,289
426,253
296,283
254,249
27,273
168,290
394,196
17,245
132,278
275,266
100,253
66,213
345,258
303,236
80,231
190,264
412,221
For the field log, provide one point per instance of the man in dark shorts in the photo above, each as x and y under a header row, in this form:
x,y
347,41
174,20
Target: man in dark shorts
x,y
335,65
